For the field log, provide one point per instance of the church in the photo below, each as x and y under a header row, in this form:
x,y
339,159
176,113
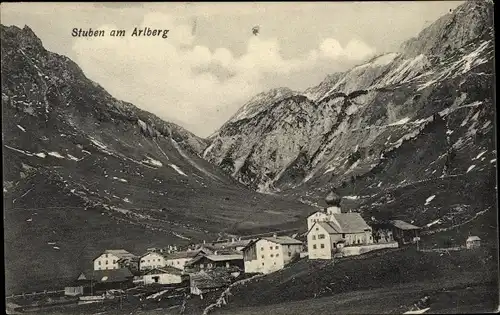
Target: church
x,y
330,230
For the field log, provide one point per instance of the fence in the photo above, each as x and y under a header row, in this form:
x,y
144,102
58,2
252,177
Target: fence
x,y
35,293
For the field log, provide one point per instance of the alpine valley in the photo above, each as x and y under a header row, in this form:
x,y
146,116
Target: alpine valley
x,y
406,135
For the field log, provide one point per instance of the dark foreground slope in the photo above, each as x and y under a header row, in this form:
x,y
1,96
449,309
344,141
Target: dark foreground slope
x,y
84,172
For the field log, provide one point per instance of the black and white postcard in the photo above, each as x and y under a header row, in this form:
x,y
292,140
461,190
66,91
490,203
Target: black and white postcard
x,y
280,158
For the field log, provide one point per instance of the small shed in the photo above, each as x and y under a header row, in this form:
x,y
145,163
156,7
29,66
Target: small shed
x,y
404,232
473,242
206,281
163,275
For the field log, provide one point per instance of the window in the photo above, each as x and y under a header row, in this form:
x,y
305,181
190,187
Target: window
x,y
106,262
317,229
262,256
321,236
276,247
289,254
313,237
272,255
177,262
262,264
270,247
343,235
99,262
314,246
277,255
359,241
143,261
114,261
275,263
322,245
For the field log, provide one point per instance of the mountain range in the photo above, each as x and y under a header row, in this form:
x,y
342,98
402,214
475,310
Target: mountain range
x,y
407,135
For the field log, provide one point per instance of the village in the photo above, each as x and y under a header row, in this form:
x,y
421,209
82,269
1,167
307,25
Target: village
x,y
198,269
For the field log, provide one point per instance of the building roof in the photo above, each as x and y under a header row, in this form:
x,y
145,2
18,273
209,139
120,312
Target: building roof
x,y
216,258
106,276
162,270
316,211
120,253
404,225
208,280
473,238
349,223
282,240
179,255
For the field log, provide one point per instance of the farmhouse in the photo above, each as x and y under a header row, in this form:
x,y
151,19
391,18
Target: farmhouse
x,y
473,242
207,262
99,280
113,259
179,259
268,254
152,260
164,275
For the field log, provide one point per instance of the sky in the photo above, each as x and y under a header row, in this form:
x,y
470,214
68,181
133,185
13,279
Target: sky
x,y
211,64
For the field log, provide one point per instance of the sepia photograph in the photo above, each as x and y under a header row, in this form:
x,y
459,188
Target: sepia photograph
x,y
248,158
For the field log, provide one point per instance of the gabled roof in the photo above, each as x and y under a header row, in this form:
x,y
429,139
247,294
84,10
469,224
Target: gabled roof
x,y
316,211
215,258
183,254
350,223
120,253
473,238
282,240
206,280
105,276
404,225
163,270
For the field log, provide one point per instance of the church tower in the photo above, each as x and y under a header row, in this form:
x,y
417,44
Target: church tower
x,y
333,203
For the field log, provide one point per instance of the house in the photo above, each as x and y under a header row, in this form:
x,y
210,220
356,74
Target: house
x,y
207,281
233,244
473,242
163,275
152,260
324,239
404,232
113,259
179,259
100,280
207,262
268,254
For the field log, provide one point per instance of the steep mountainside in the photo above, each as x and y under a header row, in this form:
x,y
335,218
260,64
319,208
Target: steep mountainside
x,y
84,172
404,133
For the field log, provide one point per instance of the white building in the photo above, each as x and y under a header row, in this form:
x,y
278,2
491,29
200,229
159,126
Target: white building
x,y
152,260
165,275
268,254
179,259
112,259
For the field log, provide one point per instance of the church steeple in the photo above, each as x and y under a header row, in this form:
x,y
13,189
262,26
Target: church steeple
x,y
332,199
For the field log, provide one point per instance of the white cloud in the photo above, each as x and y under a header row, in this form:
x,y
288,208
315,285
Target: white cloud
x,y
163,76
355,50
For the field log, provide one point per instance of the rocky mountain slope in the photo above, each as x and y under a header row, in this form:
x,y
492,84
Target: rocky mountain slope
x,y
84,171
407,134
